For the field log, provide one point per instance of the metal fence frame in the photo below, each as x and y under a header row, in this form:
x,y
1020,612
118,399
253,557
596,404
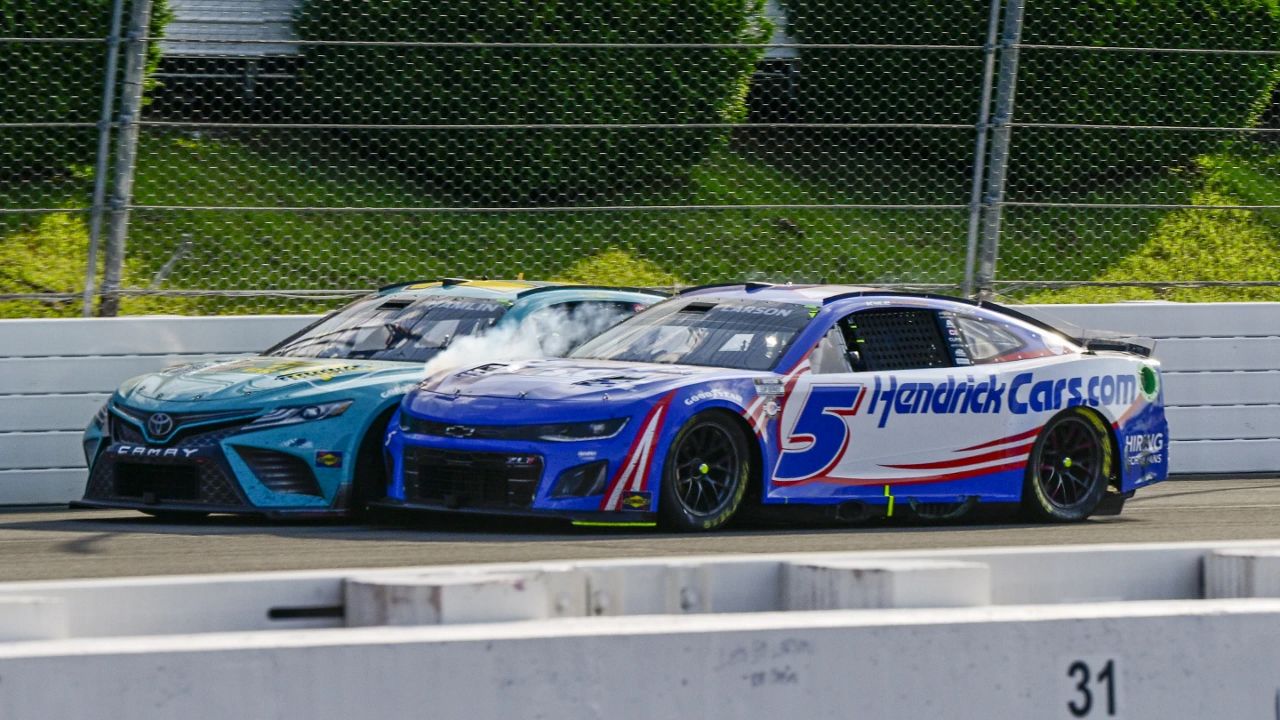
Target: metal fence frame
x,y
118,128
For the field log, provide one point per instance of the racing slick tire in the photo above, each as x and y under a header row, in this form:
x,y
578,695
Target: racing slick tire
x,y
704,477
1068,469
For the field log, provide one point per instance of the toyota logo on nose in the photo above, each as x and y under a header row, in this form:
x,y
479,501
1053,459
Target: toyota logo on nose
x,y
159,425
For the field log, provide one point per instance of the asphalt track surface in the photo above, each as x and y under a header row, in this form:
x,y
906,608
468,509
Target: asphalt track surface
x,y
55,543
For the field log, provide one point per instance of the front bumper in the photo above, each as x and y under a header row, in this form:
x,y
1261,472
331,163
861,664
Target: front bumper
x,y
514,478
229,468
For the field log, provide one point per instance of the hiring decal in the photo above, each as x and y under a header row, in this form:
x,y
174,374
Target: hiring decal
x,y
1144,449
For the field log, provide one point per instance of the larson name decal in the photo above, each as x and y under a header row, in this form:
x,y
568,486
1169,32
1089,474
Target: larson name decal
x,y
754,310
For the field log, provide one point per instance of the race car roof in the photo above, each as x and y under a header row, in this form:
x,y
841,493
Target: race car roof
x,y
496,289
826,294
510,290
801,294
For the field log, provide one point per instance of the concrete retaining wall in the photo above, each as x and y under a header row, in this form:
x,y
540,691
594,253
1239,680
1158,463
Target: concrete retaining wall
x,y
1222,383
1181,636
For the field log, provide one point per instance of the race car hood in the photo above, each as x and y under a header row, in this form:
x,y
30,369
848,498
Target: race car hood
x,y
259,379
565,379
555,387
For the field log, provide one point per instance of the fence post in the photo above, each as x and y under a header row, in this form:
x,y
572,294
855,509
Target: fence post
x,y
1000,131
135,66
102,166
980,146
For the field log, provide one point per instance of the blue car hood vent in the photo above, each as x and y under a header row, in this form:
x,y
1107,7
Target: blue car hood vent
x,y
612,380
482,370
557,379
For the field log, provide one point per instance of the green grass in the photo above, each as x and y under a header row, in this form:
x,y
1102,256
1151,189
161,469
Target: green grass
x,y
1204,245
232,250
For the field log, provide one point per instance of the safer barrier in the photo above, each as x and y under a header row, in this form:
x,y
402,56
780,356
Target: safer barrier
x,y
1139,631
54,374
1222,365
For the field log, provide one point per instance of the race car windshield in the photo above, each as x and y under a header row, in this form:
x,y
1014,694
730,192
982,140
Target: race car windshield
x,y
731,334
401,329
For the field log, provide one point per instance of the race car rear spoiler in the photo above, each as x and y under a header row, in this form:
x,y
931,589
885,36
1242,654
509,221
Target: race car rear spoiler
x,y
1092,340
1095,341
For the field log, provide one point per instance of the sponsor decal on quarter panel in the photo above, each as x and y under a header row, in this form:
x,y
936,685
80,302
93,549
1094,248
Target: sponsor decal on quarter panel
x,y
972,395
633,474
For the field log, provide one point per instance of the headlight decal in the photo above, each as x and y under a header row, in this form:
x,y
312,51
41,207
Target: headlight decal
x,y
301,413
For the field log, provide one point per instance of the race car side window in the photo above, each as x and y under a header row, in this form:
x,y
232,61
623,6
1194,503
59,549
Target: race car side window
x,y
896,339
831,354
741,334
987,341
403,329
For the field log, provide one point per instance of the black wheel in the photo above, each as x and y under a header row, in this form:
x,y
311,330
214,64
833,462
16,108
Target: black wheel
x,y
369,481
176,516
705,474
1069,468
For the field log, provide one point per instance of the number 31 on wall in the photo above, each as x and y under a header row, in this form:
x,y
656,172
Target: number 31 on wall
x,y
1092,687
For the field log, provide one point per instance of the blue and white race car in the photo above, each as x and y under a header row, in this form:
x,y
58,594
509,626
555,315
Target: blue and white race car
x,y
298,430
856,399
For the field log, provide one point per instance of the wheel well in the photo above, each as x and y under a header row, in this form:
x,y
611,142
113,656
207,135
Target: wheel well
x,y
755,480
1113,472
369,452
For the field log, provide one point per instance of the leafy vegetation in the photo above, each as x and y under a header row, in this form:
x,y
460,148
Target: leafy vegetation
x,y
1205,245
519,86
934,85
56,82
233,250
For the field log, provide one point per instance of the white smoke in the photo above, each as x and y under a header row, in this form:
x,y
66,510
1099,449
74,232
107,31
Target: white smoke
x,y
546,333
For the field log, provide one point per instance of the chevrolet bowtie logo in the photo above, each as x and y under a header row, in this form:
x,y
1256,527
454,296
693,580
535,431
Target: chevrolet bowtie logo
x,y
459,431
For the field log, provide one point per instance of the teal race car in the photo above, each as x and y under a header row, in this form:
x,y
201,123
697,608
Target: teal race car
x,y
298,430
